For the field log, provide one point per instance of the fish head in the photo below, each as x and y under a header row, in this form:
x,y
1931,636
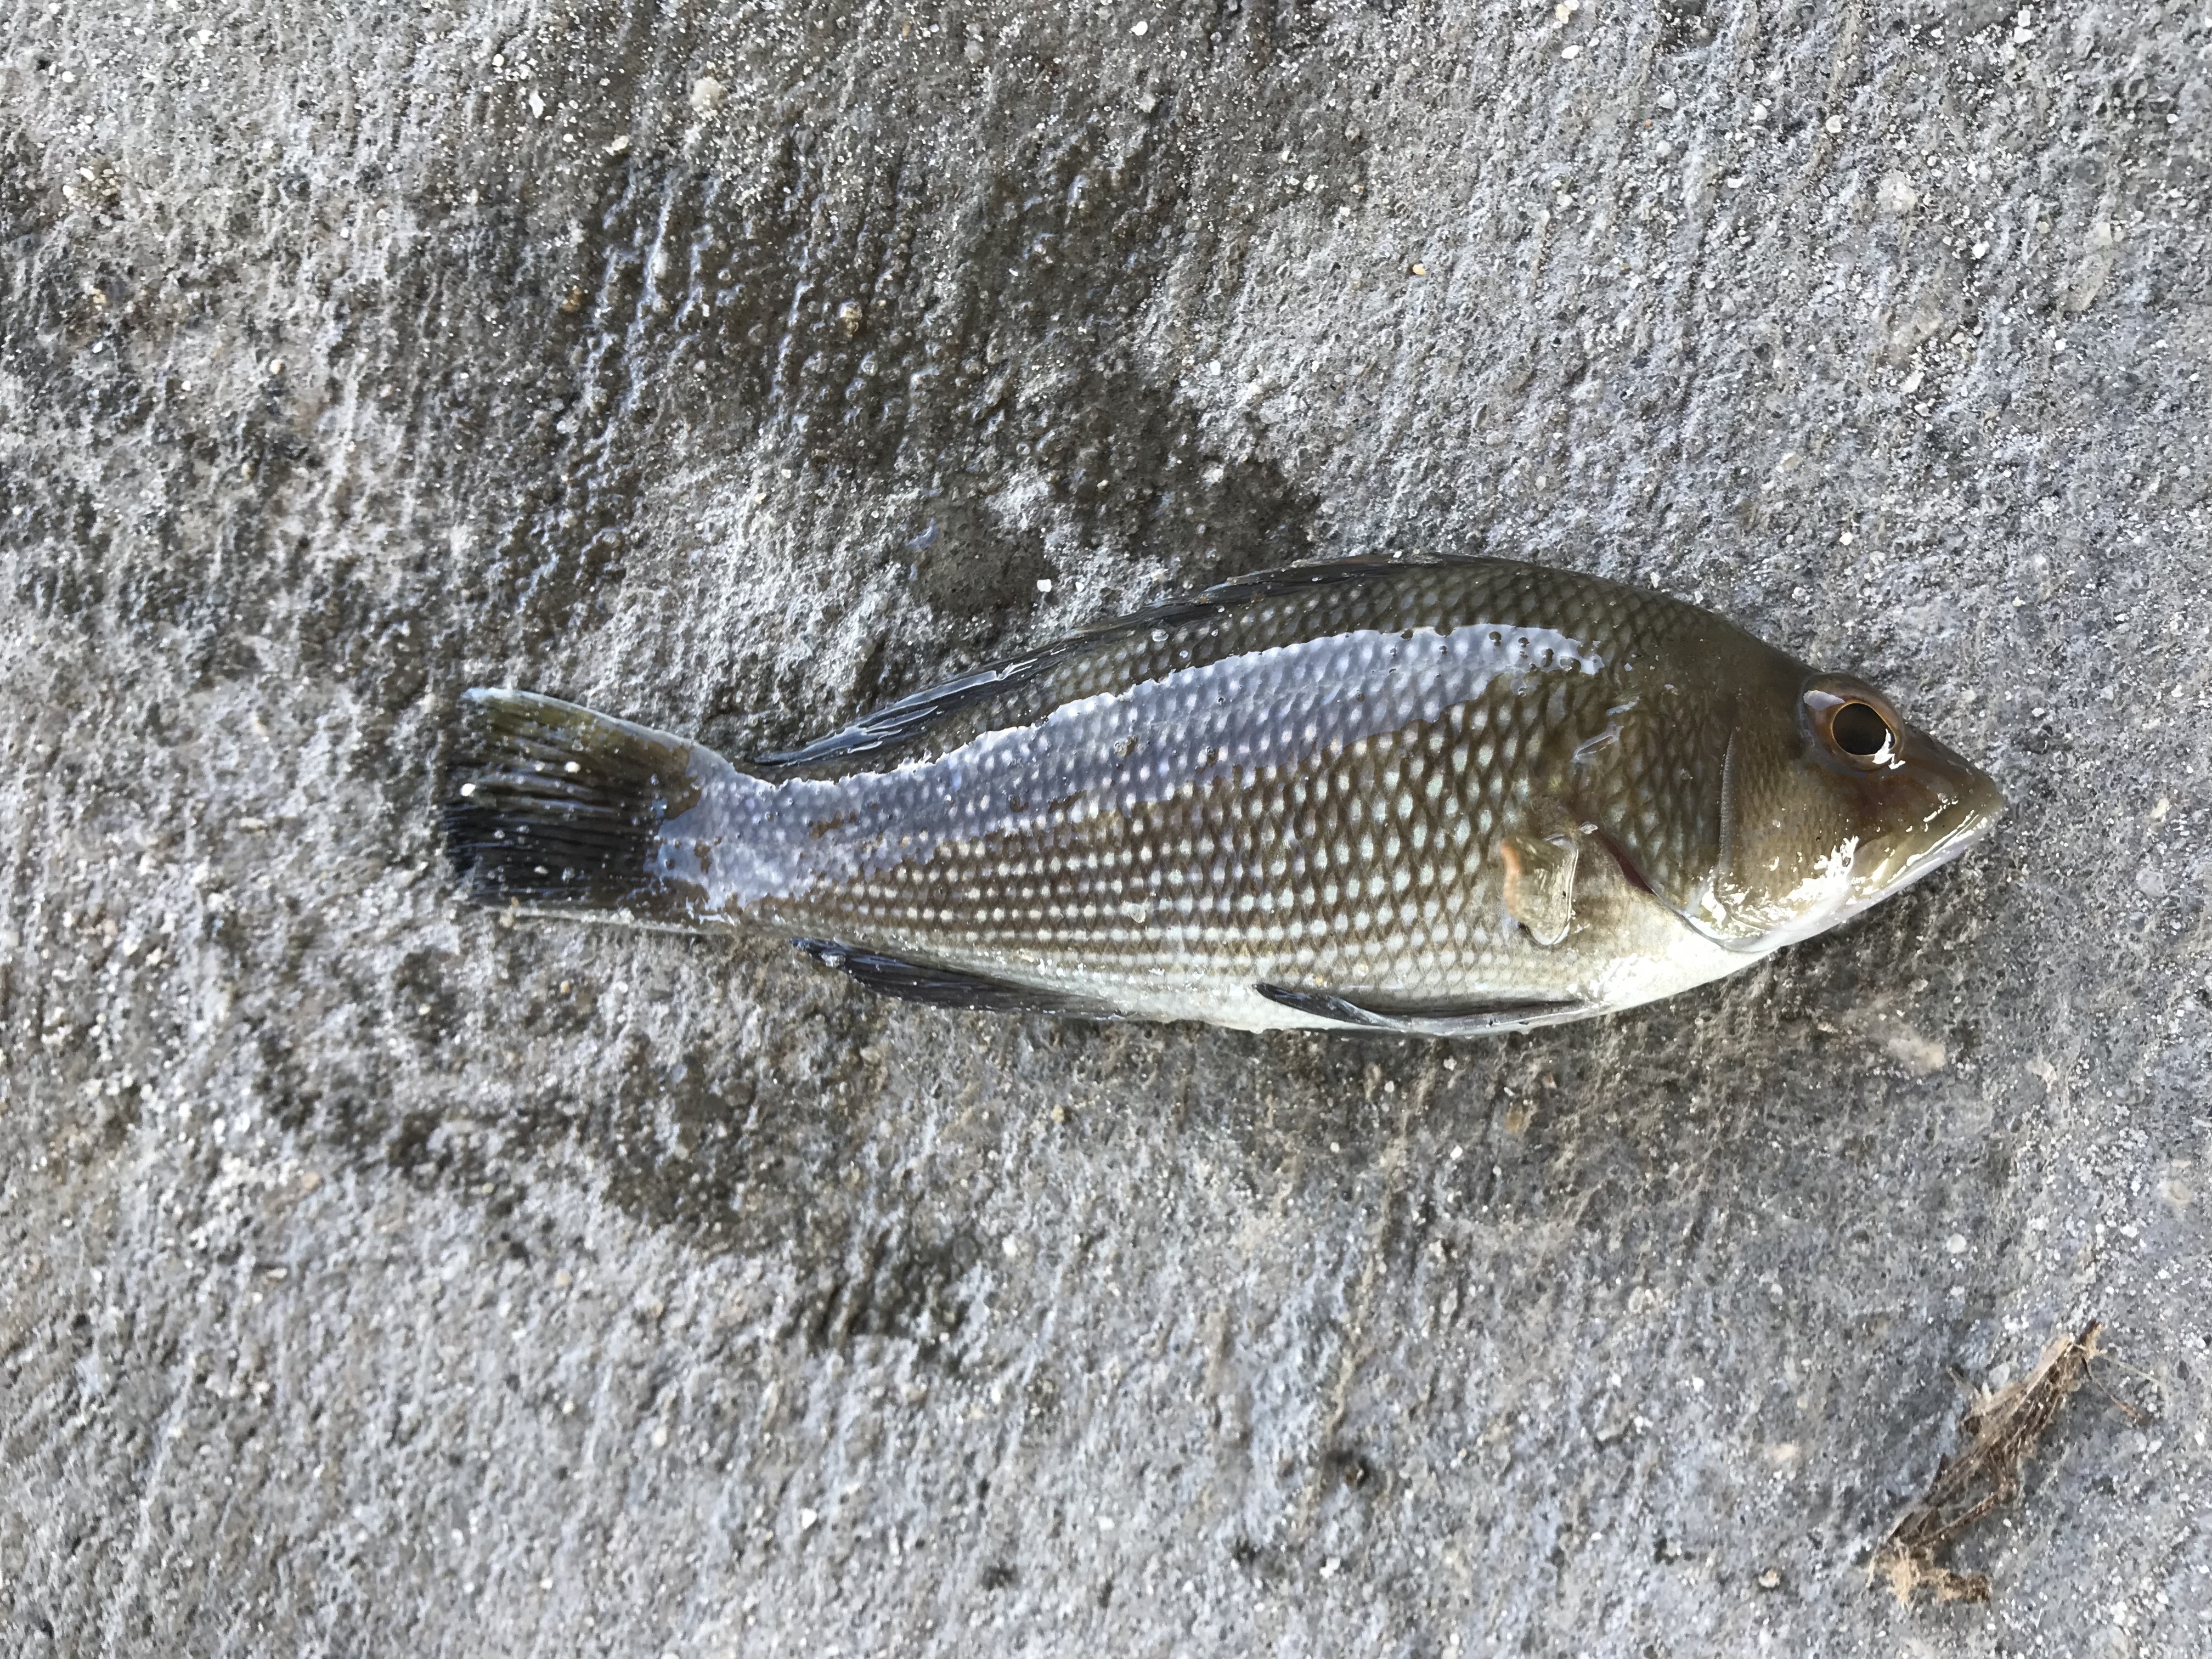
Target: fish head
x,y
1831,801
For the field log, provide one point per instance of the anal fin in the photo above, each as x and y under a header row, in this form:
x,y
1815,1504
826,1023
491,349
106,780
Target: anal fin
x,y
942,987
1464,1017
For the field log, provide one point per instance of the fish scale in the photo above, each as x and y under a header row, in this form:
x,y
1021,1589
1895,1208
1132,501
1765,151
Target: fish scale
x,y
1438,795
1270,863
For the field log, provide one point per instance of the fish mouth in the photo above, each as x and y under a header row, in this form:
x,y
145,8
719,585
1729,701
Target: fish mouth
x,y
1933,809
1952,831
1965,804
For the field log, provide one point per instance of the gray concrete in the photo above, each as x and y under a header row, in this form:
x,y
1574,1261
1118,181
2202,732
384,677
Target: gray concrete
x,y
379,1279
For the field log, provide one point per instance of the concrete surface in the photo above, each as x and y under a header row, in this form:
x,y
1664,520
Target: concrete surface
x,y
379,1279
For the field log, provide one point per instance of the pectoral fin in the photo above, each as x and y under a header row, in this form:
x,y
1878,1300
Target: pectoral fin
x,y
1540,883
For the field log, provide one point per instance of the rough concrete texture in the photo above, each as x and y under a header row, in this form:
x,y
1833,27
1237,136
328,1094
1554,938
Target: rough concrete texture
x,y
382,1279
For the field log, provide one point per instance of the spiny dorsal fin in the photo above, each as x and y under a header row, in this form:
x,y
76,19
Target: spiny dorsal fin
x,y
877,735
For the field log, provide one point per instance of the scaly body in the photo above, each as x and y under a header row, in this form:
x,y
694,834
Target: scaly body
x,y
1448,796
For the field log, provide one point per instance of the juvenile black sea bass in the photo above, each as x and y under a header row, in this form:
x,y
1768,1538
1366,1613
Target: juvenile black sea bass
x,y
1447,797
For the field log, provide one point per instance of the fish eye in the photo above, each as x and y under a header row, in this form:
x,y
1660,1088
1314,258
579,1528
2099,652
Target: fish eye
x,y
1850,721
1860,730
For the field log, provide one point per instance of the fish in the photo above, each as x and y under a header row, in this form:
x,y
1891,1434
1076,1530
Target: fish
x,y
1448,796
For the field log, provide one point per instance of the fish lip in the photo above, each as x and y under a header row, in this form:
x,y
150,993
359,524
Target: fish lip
x,y
1972,808
1971,801
1971,829
1961,803
1968,798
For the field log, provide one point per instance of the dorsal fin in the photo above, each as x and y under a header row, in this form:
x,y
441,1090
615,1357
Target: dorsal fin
x,y
1261,585
878,734
909,717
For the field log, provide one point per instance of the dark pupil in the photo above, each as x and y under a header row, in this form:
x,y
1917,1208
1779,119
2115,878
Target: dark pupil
x,y
1860,730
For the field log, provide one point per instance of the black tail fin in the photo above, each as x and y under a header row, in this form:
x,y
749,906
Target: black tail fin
x,y
550,806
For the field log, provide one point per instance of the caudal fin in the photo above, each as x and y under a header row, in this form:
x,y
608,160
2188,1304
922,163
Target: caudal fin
x,y
552,807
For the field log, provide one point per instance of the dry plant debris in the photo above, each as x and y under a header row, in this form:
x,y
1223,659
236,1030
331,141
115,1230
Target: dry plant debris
x,y
1997,1434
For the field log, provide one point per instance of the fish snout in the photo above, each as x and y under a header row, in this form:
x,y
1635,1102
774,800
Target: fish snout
x,y
1928,807
1965,800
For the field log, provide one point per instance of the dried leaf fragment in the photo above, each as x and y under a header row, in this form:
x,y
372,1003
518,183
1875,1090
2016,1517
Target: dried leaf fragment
x,y
1997,1434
